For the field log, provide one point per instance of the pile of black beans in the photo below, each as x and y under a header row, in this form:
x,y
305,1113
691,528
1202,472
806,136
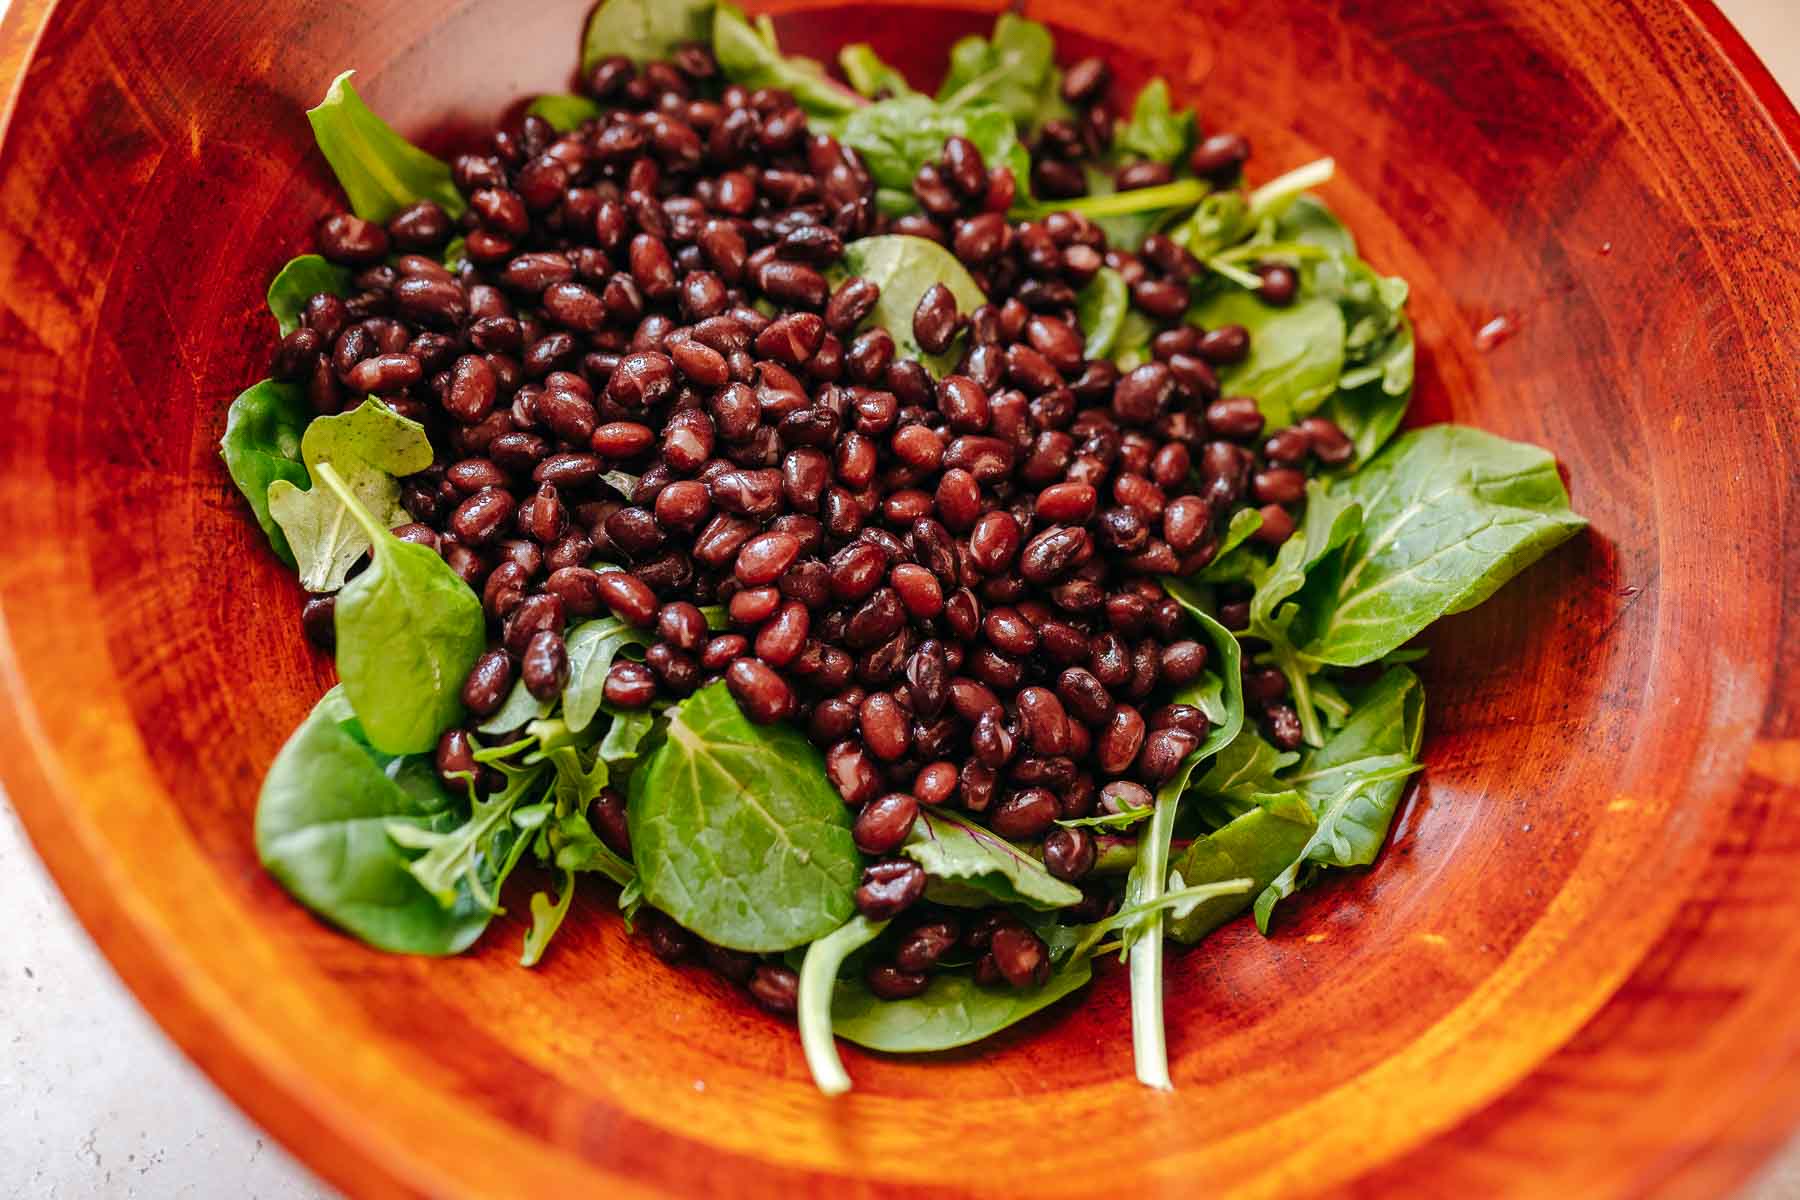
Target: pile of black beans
x,y
950,584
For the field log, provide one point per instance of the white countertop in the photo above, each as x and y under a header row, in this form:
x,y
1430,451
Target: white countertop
x,y
96,1104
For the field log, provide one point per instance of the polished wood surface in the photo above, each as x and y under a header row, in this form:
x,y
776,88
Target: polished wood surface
x,y
1572,973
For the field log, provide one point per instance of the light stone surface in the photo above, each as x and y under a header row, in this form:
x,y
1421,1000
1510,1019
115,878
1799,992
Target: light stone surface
x,y
98,1105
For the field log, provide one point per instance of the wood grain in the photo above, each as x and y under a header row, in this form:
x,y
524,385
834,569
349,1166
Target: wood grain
x,y
1572,972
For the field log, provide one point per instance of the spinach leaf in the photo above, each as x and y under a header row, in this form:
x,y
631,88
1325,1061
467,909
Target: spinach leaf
x,y
896,137
953,1011
547,913
563,111
261,444
737,833
1101,306
750,57
1155,131
1149,877
322,822
368,446
456,860
378,169
818,980
408,630
1257,846
1355,781
1449,514
593,645
978,860
299,281
1133,346
644,31
905,268
1014,69
1296,353
871,76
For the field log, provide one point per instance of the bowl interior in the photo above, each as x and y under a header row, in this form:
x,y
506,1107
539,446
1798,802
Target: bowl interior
x,y
1575,956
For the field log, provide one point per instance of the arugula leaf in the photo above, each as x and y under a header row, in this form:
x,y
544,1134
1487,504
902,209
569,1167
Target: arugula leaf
x,y
299,281
592,646
977,860
1125,818
871,76
547,913
1155,131
737,833
322,821
644,31
1296,353
1243,777
750,57
408,631
1015,69
896,137
1235,561
1100,307
579,848
1149,876
1449,514
518,709
456,860
904,268
369,446
953,1011
818,979
563,111
378,169
261,444
1270,201
1355,782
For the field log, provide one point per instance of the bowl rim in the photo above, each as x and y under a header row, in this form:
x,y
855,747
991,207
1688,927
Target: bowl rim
x,y
257,1078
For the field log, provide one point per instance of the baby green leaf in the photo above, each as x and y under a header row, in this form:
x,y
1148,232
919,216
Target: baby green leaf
x,y
644,31
1101,306
1355,782
464,858
1125,818
1309,221
1449,514
818,979
322,822
547,913
368,446
1149,877
975,859
1371,401
563,111
896,137
871,76
592,647
519,708
408,630
749,58
1155,131
953,1011
299,281
1257,845
261,444
905,268
1235,562
378,169
737,833
1296,353
1014,70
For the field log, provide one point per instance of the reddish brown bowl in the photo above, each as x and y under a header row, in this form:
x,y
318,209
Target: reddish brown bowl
x,y
1573,971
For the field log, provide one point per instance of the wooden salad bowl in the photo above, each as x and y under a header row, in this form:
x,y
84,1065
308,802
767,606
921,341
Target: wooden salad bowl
x,y
1574,970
